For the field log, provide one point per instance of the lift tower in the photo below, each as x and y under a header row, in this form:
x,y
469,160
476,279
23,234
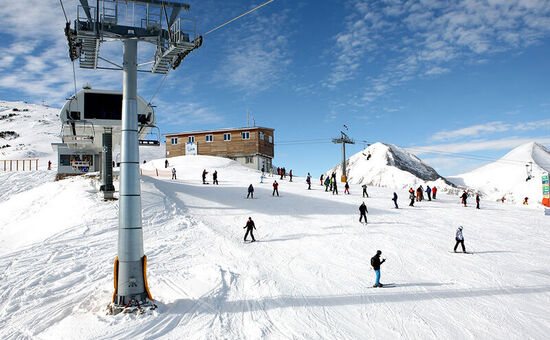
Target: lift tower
x,y
344,139
131,21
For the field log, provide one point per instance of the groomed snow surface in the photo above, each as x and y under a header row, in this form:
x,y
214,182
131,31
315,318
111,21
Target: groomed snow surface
x,y
307,277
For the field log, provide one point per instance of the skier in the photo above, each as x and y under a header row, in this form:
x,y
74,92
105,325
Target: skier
x,y
321,179
434,192
429,192
204,172
49,165
411,196
346,188
459,239
275,188
477,201
418,194
394,199
375,263
249,228
369,156
290,175
327,183
363,212
215,177
308,181
334,188
173,173
261,178
250,191
525,201
165,163
464,197
365,193
281,173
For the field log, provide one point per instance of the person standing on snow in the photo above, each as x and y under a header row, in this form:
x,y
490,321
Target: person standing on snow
x,y
215,177
173,173
165,163
365,193
275,188
271,172
261,178
49,165
477,200
308,181
321,179
249,228
375,262
327,183
429,192
204,172
411,196
394,199
464,197
250,191
290,175
263,170
363,212
434,192
459,239
334,188
346,188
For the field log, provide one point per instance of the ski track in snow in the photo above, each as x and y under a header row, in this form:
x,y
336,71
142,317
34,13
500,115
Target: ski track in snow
x,y
307,277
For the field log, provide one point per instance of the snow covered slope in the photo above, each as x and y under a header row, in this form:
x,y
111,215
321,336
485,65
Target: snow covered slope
x,y
507,176
389,166
307,277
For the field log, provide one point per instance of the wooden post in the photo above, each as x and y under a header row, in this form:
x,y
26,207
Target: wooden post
x,y
36,164
17,165
10,164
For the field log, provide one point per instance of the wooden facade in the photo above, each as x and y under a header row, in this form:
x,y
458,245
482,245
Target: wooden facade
x,y
255,149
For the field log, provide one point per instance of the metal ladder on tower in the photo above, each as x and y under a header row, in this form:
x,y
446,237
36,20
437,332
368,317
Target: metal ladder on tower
x,y
90,50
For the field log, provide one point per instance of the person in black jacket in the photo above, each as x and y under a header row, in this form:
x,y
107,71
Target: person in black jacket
x,y
464,197
394,199
477,201
249,228
363,212
250,191
215,177
375,263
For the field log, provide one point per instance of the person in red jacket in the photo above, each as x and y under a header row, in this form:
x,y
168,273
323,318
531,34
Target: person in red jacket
x,y
275,188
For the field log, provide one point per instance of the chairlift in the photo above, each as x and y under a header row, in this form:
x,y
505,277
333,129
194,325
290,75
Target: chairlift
x,y
529,170
152,137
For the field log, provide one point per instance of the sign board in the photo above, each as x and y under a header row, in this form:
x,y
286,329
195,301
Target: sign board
x,y
191,149
545,191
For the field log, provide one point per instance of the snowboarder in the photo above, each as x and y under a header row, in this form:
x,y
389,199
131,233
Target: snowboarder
x,y
459,239
275,188
290,175
173,173
250,191
334,188
327,183
394,199
429,192
363,212
165,163
49,165
464,197
434,192
204,172
249,228
308,181
365,193
215,177
375,263
411,196
477,201
321,179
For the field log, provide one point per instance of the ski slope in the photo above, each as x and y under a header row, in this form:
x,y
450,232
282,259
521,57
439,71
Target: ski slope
x,y
307,277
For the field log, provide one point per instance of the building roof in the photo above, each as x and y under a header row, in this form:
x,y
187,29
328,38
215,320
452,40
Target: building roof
x,y
217,130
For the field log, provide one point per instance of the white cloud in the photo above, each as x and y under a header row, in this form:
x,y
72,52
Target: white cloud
x,y
476,145
476,131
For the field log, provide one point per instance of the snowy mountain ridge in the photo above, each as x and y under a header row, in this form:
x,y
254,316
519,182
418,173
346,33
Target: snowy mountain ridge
x,y
387,165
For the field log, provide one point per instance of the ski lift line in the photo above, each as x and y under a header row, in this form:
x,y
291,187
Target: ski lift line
x,y
240,16
63,8
158,88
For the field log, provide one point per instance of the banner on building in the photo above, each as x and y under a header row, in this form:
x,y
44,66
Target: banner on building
x,y
545,191
191,149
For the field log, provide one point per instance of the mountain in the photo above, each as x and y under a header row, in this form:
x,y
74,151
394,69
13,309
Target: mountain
x,y
389,166
507,177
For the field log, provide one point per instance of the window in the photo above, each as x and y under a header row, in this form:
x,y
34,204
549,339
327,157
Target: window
x,y
249,160
227,137
271,139
261,135
209,138
245,135
174,140
191,139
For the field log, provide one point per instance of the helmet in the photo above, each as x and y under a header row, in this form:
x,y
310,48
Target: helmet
x,y
460,228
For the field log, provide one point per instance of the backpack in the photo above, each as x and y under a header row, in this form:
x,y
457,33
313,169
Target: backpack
x,y
372,261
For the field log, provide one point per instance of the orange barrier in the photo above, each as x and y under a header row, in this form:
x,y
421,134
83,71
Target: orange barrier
x,y
164,173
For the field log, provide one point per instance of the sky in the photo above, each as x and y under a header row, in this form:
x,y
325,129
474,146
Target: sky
x,y
458,83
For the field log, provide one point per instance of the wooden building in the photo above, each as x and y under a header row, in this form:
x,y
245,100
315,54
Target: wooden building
x,y
251,146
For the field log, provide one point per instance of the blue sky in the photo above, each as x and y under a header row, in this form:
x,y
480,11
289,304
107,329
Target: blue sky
x,y
438,77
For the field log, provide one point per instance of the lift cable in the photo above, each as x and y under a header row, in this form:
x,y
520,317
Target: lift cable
x,y
240,16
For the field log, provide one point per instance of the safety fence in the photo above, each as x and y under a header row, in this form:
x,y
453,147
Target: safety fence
x,y
156,173
19,164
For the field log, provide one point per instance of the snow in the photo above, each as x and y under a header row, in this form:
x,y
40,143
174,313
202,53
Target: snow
x,y
308,276
390,166
507,176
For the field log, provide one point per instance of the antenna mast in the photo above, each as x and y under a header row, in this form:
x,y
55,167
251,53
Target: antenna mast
x,y
131,21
